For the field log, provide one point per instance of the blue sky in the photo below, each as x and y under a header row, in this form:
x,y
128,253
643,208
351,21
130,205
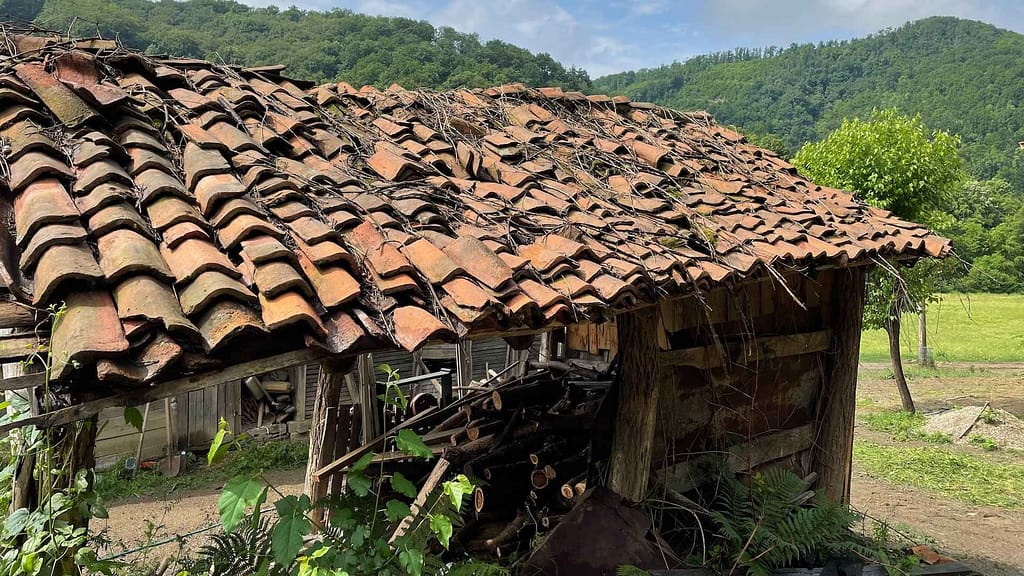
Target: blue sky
x,y
614,35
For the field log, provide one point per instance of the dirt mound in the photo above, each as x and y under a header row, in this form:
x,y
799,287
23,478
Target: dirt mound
x,y
961,424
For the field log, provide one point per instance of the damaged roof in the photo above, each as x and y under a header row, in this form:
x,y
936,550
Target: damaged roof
x,y
184,212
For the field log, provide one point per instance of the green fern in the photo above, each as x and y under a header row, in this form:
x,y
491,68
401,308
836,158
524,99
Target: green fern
x,y
629,570
475,568
764,529
245,552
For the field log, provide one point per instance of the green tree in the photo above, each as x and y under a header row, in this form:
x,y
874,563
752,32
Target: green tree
x,y
896,163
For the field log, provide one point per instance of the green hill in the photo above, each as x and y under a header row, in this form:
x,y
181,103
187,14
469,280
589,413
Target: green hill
x,y
962,76
321,46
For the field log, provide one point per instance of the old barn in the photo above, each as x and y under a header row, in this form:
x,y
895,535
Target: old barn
x,y
197,224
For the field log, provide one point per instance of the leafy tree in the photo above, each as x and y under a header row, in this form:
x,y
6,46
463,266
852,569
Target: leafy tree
x,y
896,163
330,46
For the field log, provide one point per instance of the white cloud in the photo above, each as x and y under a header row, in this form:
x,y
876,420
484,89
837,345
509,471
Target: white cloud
x,y
786,21
540,26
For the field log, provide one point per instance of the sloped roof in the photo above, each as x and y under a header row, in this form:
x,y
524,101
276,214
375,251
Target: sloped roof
x,y
182,209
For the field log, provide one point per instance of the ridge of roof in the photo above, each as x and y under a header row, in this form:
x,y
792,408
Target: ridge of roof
x,y
182,207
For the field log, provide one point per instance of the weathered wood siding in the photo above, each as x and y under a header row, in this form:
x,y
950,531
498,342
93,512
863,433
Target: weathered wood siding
x,y
740,378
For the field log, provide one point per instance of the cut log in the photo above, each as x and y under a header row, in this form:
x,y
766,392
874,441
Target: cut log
x,y
539,480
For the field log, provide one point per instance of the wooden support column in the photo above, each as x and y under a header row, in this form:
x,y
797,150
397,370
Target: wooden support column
x,y
298,376
368,398
637,415
833,455
328,394
464,365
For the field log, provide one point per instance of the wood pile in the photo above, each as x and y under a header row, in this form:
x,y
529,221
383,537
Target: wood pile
x,y
527,444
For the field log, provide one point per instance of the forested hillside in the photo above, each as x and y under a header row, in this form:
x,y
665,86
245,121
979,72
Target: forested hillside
x,y
962,76
320,46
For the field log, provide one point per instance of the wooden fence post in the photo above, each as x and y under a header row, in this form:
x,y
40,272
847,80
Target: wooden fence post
x,y
328,395
833,455
633,439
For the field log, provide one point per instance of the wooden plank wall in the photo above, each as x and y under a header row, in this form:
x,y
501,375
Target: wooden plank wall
x,y
198,415
741,375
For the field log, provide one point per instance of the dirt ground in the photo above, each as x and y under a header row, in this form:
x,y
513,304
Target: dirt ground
x,y
989,539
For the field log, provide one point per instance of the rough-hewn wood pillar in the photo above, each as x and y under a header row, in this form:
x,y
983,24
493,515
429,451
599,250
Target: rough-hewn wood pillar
x,y
637,415
833,456
329,385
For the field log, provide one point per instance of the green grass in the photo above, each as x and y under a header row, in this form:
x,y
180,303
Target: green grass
x,y
961,328
959,476
903,426
251,458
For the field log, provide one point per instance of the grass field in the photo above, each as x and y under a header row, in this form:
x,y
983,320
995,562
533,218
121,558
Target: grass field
x,y
961,328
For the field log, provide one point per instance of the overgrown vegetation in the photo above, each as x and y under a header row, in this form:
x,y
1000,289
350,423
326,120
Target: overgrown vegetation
x,y
984,442
335,45
247,458
772,522
903,426
372,527
942,470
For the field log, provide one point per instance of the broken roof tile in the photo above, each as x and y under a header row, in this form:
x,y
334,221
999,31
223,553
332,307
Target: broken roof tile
x,y
379,252
334,286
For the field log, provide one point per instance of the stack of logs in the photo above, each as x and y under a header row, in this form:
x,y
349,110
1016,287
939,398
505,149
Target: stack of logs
x,y
529,446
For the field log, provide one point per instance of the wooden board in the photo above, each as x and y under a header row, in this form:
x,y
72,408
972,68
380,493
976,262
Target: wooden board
x,y
753,350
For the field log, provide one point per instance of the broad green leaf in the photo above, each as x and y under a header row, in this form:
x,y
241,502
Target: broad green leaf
x,y
363,463
16,522
133,417
441,526
358,536
403,486
456,489
411,443
359,483
287,537
396,510
218,449
256,512
411,561
239,493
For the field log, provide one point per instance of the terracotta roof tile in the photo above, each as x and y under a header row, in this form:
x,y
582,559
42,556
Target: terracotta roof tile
x,y
155,360
42,202
191,257
47,236
245,226
59,267
144,297
414,327
182,231
276,277
124,252
33,166
225,321
210,286
479,261
289,309
334,286
89,329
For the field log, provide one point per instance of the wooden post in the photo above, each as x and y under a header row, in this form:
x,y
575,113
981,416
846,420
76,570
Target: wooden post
x,y
546,349
368,398
328,394
633,439
298,376
464,365
833,455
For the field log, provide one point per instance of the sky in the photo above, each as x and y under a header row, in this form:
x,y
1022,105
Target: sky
x,y
606,36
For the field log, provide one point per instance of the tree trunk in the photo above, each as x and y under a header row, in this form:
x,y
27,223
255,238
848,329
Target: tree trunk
x,y
328,394
892,328
833,447
637,415
924,355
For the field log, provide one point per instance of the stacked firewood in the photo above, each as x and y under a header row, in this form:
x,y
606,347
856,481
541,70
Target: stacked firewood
x,y
528,445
